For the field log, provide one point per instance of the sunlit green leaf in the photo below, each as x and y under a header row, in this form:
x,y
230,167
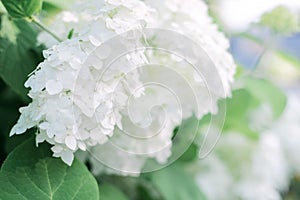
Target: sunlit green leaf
x,y
282,20
22,8
19,54
110,192
32,173
238,108
176,184
267,92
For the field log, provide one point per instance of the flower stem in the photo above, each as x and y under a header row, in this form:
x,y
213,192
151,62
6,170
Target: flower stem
x,y
41,26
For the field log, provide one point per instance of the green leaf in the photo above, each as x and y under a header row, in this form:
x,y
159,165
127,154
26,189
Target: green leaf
x,y
2,150
61,4
238,108
51,8
2,9
13,142
10,103
146,189
267,92
255,93
176,184
293,61
110,192
183,148
50,11
19,54
22,8
32,173
190,154
282,20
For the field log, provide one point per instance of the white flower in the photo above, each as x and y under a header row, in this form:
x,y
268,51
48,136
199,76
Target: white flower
x,y
287,129
163,106
191,19
71,107
126,112
89,18
214,178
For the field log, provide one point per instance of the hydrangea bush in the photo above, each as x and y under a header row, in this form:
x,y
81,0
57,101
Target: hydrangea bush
x,y
132,99
84,111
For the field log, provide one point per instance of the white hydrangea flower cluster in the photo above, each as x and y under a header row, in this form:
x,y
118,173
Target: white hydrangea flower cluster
x,y
189,18
74,112
147,132
87,17
68,108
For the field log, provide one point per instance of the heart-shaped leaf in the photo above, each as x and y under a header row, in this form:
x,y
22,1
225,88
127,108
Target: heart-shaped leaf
x,y
32,173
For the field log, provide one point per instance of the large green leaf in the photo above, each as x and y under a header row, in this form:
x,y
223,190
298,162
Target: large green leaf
x,y
267,92
110,192
22,8
9,109
176,184
31,173
19,54
238,109
256,92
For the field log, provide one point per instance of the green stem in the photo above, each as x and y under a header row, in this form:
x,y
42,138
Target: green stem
x,y
41,26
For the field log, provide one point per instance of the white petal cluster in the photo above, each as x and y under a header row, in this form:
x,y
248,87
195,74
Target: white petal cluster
x,y
123,120
191,19
287,129
71,109
87,18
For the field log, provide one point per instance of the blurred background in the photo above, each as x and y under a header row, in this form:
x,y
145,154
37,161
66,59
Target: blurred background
x,y
262,160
